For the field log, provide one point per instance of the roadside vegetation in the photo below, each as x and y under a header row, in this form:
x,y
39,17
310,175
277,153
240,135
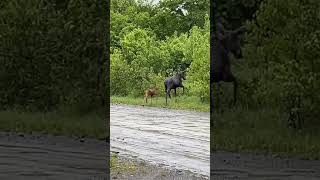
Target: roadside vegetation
x,y
53,67
124,168
180,102
118,166
278,79
70,122
263,131
150,42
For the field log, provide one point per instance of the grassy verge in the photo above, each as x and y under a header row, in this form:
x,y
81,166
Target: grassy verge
x,y
123,169
264,131
119,166
67,122
180,102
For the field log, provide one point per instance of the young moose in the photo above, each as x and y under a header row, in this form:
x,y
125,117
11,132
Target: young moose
x,y
150,92
226,42
172,83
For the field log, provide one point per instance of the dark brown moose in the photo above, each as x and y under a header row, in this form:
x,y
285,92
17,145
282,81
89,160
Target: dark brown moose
x,y
173,83
225,43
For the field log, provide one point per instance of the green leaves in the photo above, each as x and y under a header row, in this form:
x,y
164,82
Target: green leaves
x,y
287,39
149,45
199,70
57,50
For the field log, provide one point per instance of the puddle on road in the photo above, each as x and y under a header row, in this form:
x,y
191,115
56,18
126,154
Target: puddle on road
x,y
175,138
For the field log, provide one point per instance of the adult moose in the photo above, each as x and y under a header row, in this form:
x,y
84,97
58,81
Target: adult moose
x,y
173,83
225,42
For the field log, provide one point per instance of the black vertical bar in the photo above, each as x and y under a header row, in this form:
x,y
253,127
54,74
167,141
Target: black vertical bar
x,y
212,44
107,79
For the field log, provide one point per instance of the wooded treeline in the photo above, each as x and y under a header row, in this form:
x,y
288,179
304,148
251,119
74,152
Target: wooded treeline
x,y
150,42
281,64
52,53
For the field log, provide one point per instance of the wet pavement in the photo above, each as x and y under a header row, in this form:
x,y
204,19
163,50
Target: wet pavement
x,y
41,156
173,138
180,139
247,166
170,138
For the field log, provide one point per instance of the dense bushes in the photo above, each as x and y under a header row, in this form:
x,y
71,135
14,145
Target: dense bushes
x,y
51,53
143,55
282,58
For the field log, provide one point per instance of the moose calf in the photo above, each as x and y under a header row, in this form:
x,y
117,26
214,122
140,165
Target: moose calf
x,y
150,92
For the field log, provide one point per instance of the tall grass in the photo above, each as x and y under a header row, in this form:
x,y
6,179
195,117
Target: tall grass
x,y
65,121
263,130
179,102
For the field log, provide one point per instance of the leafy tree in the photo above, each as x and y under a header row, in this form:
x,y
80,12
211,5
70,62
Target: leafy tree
x,y
141,58
283,59
199,78
234,13
178,16
52,53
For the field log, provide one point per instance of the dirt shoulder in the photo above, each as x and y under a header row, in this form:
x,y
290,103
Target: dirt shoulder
x,y
129,169
40,156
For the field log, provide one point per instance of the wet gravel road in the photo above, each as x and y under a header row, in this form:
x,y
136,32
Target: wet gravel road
x,y
171,138
180,139
247,166
49,157
174,138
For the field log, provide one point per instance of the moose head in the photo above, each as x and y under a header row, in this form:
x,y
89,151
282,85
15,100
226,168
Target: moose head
x,y
181,75
231,40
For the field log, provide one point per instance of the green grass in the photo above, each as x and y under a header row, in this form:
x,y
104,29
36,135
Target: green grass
x,y
67,122
266,131
180,102
120,166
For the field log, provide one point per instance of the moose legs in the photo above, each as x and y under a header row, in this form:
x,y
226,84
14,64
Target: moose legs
x,y
226,78
175,91
168,90
218,94
295,120
230,78
167,94
235,87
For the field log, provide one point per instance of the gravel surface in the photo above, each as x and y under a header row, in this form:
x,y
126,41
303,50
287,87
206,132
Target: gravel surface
x,y
147,171
42,156
248,166
177,139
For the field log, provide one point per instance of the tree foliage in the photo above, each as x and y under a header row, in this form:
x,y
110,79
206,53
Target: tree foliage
x,y
51,53
282,59
152,42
